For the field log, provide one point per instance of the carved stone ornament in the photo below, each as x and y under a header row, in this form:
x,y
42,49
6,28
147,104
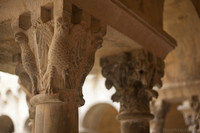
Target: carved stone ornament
x,y
58,53
58,42
133,74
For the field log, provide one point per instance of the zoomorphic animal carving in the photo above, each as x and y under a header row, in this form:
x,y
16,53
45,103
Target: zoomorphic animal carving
x,y
28,60
63,53
57,55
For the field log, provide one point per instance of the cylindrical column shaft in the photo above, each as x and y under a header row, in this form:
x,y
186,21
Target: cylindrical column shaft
x,y
56,118
134,127
57,113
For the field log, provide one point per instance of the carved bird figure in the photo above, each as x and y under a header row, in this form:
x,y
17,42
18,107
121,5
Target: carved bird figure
x,y
28,60
64,53
57,55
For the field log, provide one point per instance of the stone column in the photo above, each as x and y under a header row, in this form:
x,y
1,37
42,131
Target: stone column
x,y
58,42
133,74
191,112
160,109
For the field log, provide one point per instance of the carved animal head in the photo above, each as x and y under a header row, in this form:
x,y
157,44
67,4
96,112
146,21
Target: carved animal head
x,y
20,38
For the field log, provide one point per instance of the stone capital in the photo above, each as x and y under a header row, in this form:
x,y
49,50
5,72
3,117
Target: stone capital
x,y
58,42
133,74
58,51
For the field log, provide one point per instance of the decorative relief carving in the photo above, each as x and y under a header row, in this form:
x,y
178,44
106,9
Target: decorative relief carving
x,y
28,60
62,52
133,74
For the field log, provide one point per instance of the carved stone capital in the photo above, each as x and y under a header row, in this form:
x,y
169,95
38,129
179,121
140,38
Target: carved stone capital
x,y
133,74
58,43
58,51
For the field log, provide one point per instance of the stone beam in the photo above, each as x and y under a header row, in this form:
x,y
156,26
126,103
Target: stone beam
x,y
114,14
130,24
133,75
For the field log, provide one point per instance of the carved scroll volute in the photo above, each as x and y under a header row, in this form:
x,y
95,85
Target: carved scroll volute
x,y
133,74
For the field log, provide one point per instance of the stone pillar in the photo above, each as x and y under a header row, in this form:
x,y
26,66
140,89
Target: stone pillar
x,y
191,112
133,74
58,42
160,109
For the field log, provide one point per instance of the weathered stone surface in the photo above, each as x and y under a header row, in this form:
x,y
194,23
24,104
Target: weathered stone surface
x,y
133,74
151,10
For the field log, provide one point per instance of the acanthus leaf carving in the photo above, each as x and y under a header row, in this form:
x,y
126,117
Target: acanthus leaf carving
x,y
133,74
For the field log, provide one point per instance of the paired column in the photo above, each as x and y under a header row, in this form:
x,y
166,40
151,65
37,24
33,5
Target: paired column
x,y
191,112
58,43
133,74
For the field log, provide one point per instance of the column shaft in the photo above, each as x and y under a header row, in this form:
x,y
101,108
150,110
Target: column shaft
x,y
56,118
134,126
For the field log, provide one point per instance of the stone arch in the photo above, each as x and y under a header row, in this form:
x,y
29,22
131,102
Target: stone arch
x,y
6,124
101,118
